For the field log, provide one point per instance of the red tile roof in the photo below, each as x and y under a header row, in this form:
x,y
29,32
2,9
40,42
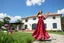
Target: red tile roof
x,y
50,14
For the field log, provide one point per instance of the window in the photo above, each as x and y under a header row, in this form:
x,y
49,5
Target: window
x,y
44,18
54,25
26,20
45,25
34,18
34,26
54,17
25,26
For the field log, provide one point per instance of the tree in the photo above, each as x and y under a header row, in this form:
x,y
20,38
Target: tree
x,y
19,21
62,20
1,23
6,20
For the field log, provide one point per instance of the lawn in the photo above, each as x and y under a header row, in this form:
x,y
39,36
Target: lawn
x,y
19,37
22,37
16,37
61,33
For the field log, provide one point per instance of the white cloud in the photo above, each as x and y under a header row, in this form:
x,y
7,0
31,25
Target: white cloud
x,y
33,2
60,11
2,15
13,19
28,2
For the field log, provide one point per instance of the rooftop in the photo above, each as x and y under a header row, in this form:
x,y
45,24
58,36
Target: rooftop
x,y
50,14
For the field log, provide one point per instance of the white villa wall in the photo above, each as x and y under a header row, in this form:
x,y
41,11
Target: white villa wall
x,y
49,22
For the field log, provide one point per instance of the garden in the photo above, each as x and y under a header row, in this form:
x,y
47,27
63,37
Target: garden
x,y
16,37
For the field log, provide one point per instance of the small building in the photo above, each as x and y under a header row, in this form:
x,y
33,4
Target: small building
x,y
52,22
18,25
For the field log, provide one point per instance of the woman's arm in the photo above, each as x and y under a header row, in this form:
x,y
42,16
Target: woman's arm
x,y
43,15
46,15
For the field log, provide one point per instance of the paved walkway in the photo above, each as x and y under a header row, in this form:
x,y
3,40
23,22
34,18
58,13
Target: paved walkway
x,y
55,38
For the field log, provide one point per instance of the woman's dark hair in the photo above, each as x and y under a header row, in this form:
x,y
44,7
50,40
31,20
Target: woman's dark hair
x,y
40,12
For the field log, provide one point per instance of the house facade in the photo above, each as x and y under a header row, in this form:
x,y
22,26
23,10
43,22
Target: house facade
x,y
52,22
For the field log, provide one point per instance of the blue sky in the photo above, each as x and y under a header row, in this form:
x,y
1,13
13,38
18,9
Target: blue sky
x,y
25,8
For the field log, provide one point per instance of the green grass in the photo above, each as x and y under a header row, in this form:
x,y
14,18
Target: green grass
x,y
61,33
16,37
19,37
23,37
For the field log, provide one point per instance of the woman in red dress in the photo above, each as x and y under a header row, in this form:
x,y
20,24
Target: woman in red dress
x,y
40,31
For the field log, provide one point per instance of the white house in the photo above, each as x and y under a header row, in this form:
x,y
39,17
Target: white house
x,y
52,22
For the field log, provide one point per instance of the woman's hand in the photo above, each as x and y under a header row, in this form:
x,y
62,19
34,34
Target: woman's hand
x,y
46,15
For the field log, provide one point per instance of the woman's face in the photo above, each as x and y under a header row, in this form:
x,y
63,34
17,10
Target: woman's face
x,y
40,11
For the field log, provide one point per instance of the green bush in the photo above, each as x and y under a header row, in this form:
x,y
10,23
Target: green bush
x,y
16,37
51,30
6,38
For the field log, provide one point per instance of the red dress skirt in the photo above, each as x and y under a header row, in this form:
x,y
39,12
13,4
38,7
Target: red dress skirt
x,y
40,31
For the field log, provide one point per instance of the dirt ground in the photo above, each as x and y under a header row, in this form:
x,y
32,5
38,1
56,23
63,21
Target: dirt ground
x,y
55,38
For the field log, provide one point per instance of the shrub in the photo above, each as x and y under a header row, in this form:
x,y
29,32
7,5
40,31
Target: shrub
x,y
17,37
6,38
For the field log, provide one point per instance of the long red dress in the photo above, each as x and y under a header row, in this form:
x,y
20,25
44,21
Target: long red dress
x,y
40,31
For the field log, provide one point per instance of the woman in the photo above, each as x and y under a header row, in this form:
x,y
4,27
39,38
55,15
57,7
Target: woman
x,y
40,32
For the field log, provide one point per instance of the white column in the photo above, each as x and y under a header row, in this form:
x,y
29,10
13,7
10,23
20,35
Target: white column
x,y
17,27
30,26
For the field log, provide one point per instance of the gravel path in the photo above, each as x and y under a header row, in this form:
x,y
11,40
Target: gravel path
x,y
55,38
